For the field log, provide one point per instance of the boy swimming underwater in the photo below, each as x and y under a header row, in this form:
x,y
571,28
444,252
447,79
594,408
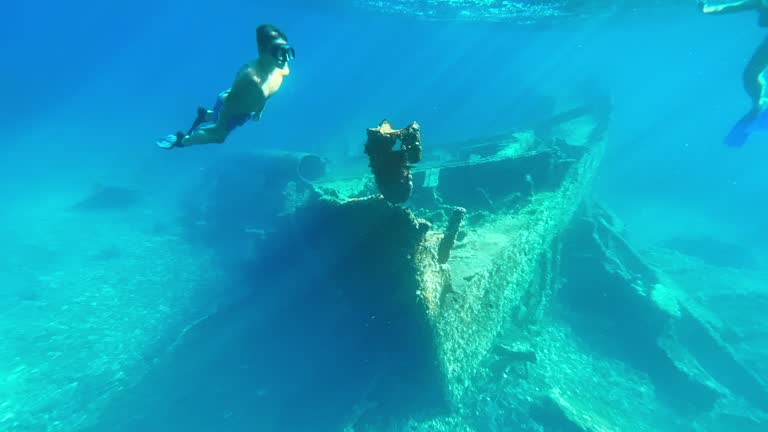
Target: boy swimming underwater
x,y
254,84
755,73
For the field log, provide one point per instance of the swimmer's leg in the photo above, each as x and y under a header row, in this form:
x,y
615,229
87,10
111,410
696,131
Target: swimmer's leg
x,y
205,115
755,81
213,134
756,76
726,8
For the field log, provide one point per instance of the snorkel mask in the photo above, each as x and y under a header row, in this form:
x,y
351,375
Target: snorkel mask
x,y
282,52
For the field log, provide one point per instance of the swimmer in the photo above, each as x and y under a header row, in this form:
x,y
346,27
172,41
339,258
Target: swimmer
x,y
245,100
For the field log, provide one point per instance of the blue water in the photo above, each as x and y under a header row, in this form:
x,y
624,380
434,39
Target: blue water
x,y
88,87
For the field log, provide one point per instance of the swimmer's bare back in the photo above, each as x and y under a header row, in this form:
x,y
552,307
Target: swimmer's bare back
x,y
251,90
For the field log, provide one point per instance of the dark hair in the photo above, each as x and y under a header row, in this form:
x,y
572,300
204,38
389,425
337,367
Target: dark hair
x,y
266,34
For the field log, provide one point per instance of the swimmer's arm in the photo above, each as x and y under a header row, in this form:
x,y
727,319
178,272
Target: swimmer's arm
x,y
731,7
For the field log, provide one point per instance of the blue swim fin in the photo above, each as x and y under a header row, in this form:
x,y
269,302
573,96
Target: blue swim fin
x,y
171,141
754,121
167,142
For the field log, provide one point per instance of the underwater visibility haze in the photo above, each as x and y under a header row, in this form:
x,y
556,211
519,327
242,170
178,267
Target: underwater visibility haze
x,y
384,215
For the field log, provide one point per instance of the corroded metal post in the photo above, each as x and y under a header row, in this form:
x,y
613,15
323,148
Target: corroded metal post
x,y
451,232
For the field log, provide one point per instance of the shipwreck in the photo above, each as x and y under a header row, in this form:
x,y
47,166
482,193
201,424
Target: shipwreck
x,y
483,292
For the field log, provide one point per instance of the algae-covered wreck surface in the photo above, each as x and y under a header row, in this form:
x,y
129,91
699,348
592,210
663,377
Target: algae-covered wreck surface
x,y
499,297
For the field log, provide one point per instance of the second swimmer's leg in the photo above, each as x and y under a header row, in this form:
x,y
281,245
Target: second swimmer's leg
x,y
756,76
756,85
